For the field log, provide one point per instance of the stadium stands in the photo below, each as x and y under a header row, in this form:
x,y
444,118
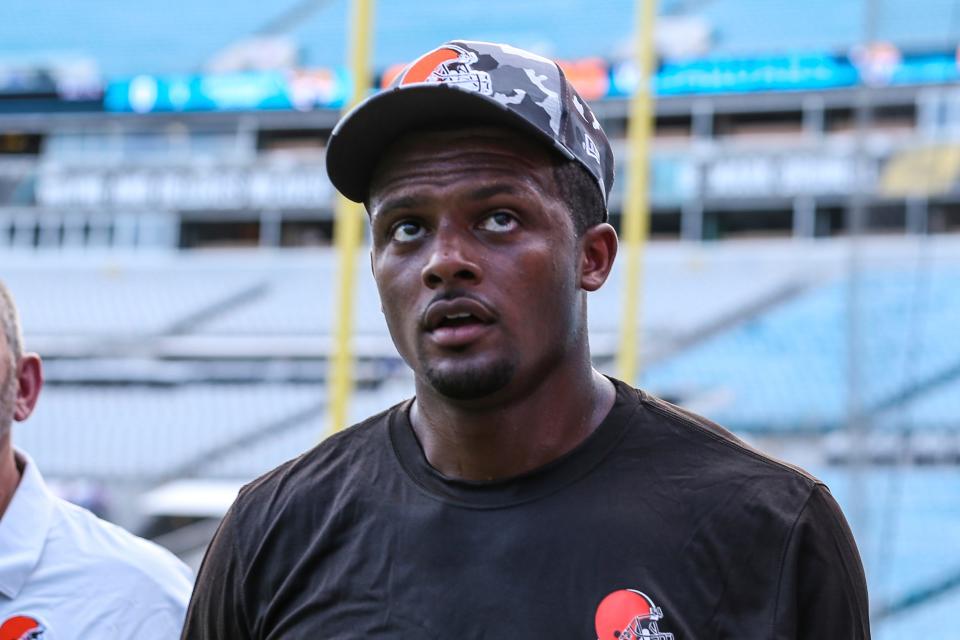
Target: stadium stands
x,y
159,261
752,333
828,26
157,37
788,368
152,435
160,38
150,432
120,303
203,297
908,512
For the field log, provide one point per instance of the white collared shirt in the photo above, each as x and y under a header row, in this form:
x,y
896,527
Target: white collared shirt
x,y
66,574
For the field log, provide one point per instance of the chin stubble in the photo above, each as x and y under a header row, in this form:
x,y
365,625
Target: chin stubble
x,y
471,382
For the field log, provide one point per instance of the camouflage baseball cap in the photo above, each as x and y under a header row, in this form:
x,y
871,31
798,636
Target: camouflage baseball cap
x,y
469,83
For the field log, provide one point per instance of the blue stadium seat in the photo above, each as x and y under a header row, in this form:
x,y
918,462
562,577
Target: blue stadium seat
x,y
787,368
180,37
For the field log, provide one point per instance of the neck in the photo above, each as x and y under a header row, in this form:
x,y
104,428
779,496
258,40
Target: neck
x,y
9,473
495,440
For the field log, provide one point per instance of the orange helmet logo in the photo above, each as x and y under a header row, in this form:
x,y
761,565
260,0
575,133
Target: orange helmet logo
x,y
21,628
629,615
423,68
448,65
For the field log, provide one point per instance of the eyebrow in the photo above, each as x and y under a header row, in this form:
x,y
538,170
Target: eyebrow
x,y
400,202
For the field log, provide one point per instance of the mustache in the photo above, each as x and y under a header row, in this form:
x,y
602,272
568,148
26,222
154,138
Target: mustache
x,y
452,294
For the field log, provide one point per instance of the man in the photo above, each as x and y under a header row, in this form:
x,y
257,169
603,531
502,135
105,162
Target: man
x,y
520,494
64,573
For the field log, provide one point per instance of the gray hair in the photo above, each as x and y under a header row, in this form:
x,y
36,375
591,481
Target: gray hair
x,y
10,323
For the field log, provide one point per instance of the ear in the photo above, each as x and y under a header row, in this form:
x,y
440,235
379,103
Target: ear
x,y
29,383
598,249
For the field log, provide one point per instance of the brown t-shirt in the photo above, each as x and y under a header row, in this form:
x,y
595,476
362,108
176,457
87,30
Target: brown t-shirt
x,y
661,525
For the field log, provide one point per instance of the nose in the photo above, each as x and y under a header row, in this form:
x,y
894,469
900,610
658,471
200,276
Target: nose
x,y
451,261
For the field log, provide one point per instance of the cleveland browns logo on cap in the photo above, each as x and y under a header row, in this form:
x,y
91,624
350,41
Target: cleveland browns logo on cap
x,y
629,615
448,64
21,628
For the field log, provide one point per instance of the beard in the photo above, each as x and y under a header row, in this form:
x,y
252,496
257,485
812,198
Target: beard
x,y
472,381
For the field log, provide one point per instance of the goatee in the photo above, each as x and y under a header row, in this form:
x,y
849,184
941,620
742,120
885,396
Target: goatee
x,y
471,382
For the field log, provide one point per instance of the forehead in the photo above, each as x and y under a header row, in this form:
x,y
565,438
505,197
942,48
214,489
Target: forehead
x,y
466,157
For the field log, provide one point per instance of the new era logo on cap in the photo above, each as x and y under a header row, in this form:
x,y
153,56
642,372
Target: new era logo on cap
x,y
470,83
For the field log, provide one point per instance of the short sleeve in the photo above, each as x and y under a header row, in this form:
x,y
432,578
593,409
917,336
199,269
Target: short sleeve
x,y
823,591
217,609
149,594
152,623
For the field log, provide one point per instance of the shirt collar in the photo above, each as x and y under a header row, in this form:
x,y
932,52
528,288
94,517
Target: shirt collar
x,y
24,527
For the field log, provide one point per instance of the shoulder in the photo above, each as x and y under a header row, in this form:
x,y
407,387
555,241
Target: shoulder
x,y
345,459
703,436
113,559
300,503
746,501
700,458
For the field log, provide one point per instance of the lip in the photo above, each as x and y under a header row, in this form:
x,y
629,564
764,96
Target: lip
x,y
457,336
440,309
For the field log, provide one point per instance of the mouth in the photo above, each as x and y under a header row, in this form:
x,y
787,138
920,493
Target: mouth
x,y
457,322
453,320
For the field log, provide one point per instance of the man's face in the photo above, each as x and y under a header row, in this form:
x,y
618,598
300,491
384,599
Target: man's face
x,y
476,260
8,386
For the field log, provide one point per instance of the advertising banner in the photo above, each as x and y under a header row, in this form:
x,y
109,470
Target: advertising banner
x,y
302,90
255,186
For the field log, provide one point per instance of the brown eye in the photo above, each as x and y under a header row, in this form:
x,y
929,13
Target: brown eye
x,y
499,222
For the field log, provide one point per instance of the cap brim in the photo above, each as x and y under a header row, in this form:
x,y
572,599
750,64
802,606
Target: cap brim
x,y
360,139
